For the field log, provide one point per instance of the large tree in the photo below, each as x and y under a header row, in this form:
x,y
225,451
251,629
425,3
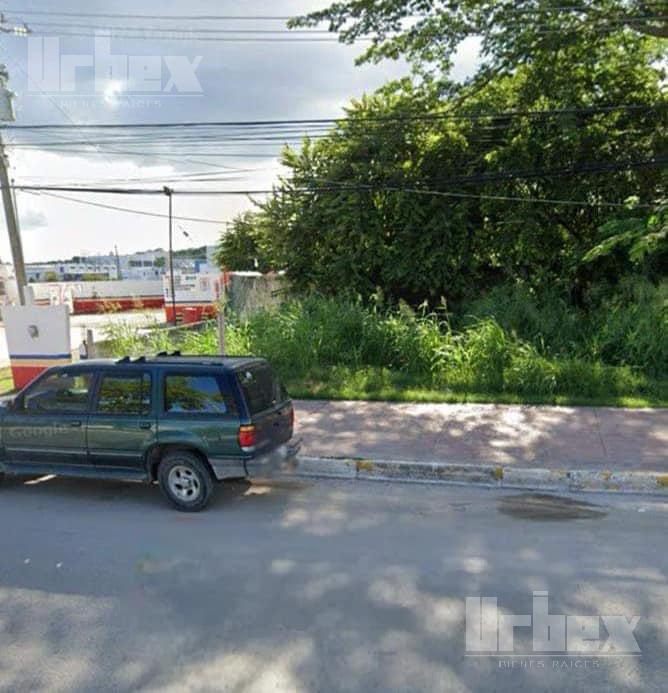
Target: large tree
x,y
431,188
428,32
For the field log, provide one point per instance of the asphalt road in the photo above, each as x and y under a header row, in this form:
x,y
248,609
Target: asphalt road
x,y
324,586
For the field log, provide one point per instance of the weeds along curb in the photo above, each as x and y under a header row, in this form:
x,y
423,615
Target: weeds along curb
x,y
501,476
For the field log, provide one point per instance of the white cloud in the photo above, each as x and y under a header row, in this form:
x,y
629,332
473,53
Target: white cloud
x,y
32,219
240,81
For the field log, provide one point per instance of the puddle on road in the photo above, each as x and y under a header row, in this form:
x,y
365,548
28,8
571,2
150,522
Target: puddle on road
x,y
547,507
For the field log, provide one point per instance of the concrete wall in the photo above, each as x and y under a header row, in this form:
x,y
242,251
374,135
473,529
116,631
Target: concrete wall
x,y
248,292
99,296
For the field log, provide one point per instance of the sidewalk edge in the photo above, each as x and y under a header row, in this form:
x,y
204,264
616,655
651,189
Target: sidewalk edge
x,y
502,476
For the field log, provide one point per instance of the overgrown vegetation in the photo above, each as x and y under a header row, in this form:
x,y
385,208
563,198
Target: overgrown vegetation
x,y
521,213
541,171
333,347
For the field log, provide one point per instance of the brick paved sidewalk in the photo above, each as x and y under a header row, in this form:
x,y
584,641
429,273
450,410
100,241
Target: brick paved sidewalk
x,y
517,435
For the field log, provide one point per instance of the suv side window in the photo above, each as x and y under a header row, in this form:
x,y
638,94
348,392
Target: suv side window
x,y
196,394
124,393
62,392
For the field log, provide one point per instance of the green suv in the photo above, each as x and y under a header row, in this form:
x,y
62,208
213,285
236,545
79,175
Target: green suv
x,y
183,421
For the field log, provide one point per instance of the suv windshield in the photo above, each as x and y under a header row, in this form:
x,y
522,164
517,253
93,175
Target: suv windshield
x,y
262,390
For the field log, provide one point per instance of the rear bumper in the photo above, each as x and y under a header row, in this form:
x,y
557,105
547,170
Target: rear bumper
x,y
282,458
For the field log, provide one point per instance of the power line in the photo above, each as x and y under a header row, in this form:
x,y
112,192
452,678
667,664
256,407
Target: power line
x,y
115,208
359,188
509,198
182,177
481,178
354,119
595,21
99,149
248,17
153,34
166,17
179,37
230,140
181,30
135,154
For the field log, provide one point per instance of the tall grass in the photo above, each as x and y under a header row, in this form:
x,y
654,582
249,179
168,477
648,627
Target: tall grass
x,y
622,326
123,339
321,339
515,347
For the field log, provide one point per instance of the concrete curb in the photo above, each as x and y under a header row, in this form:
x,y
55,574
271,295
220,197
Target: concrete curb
x,y
482,474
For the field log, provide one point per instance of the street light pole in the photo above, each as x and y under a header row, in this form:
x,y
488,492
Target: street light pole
x,y
169,192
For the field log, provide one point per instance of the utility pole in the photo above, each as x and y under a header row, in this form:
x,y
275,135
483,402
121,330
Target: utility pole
x,y
7,114
118,264
169,192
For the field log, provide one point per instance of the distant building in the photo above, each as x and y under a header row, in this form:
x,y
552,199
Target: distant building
x,y
141,266
149,264
77,269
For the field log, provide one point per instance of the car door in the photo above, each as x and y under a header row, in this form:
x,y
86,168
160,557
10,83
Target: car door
x,y
269,407
122,423
198,408
46,425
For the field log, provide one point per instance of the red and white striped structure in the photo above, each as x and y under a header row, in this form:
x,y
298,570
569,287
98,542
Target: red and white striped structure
x,y
38,337
100,296
196,296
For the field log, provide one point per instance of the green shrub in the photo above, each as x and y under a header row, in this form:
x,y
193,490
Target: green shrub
x,y
536,350
624,325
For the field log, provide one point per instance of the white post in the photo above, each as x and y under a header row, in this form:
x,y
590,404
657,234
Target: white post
x,y
220,321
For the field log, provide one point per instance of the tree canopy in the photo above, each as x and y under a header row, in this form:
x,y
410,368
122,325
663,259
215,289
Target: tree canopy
x,y
429,188
428,32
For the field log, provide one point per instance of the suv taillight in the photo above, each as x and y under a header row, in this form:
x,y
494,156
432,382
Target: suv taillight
x,y
247,437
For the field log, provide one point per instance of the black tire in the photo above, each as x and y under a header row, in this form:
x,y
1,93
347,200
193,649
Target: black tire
x,y
185,480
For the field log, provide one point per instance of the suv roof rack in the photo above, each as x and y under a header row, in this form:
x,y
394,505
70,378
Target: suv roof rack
x,y
204,358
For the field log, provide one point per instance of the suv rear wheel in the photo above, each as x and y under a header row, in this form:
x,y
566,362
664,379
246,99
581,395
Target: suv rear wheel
x,y
185,480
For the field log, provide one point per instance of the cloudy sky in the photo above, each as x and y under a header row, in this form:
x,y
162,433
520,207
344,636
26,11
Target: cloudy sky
x,y
212,80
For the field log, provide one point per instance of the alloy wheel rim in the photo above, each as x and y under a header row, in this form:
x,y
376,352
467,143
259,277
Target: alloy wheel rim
x,y
184,483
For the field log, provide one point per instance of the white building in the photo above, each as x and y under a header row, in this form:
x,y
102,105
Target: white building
x,y
100,268
146,265
149,265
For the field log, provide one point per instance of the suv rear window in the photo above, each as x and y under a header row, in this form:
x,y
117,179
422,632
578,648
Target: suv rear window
x,y
262,389
195,394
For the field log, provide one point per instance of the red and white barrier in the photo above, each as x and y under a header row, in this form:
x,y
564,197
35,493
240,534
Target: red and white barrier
x,y
38,337
100,296
196,296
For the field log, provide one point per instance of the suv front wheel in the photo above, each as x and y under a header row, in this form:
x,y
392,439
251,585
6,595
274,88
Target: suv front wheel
x,y
185,480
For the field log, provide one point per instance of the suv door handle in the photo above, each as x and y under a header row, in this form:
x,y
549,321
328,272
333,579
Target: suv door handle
x,y
145,425
75,424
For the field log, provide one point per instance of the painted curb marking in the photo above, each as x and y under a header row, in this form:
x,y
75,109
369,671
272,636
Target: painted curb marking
x,y
485,474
